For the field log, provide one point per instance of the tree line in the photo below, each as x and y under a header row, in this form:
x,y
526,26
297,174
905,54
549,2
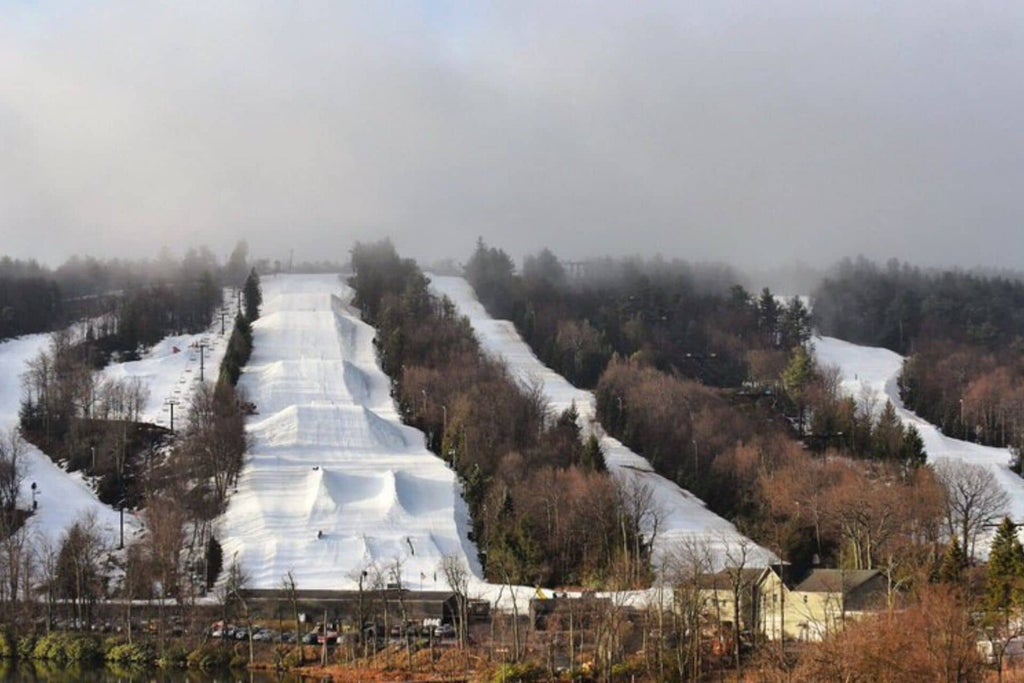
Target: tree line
x,y
93,424
544,510
129,303
963,333
691,321
898,305
713,420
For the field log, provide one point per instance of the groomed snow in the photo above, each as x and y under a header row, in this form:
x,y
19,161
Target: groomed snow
x,y
171,369
870,374
685,522
330,454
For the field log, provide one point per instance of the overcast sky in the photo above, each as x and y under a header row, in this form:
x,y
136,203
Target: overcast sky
x,y
752,132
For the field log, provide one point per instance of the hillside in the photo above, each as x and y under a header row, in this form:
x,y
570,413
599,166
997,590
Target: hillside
x,y
334,483
682,519
870,374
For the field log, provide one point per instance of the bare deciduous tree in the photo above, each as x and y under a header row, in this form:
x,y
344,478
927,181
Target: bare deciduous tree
x,y
641,520
12,468
81,579
165,542
215,440
456,575
16,567
683,569
973,499
121,399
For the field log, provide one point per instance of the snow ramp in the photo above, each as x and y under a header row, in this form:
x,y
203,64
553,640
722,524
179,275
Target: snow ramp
x,y
334,482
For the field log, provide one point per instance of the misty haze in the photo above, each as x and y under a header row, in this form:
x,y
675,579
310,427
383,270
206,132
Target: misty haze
x,y
514,341
738,132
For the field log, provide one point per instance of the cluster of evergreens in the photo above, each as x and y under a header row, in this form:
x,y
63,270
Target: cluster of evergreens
x,y
691,321
28,305
240,344
130,303
899,304
963,333
518,466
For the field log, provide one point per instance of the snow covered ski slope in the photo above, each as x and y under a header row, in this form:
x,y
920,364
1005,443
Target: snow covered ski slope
x,y
62,498
170,370
685,520
869,373
334,484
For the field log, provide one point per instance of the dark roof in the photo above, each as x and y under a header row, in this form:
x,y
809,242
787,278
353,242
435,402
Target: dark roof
x,y
831,580
724,579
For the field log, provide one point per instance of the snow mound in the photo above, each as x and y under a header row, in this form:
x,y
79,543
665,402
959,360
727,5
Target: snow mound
x,y
342,427
334,482
341,493
357,382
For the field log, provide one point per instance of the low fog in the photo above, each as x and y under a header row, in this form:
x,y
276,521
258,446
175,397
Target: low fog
x,y
747,132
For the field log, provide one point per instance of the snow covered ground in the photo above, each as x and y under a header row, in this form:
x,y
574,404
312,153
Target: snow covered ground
x,y
334,483
869,373
64,498
171,369
684,518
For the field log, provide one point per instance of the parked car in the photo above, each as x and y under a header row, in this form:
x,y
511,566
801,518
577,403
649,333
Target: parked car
x,y
444,631
331,637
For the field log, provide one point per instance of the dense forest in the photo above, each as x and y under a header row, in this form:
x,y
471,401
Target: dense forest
x,y
720,390
715,386
963,333
127,304
517,466
693,321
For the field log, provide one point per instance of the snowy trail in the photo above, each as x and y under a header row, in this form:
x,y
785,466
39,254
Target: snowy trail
x,y
171,369
871,373
330,454
684,518
62,498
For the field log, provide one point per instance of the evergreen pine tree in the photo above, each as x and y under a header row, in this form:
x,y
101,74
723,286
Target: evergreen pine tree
x,y
1004,584
253,295
912,452
795,324
954,562
593,456
888,434
795,380
238,263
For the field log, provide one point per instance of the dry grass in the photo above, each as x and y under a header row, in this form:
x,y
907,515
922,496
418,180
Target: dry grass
x,y
444,665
